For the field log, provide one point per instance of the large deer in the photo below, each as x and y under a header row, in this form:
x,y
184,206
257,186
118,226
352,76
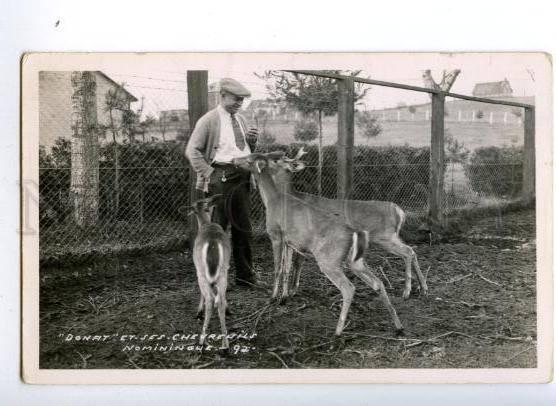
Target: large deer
x,y
211,256
294,223
381,220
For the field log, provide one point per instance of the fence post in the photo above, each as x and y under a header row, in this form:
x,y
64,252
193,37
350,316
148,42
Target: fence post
x,y
197,101
528,188
436,179
345,136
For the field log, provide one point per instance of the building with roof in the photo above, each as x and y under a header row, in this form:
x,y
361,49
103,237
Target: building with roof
x,y
55,106
493,89
270,109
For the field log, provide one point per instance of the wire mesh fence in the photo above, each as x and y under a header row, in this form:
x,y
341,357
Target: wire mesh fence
x,y
143,176
483,153
138,203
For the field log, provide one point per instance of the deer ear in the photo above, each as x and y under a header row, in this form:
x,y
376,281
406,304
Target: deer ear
x,y
260,165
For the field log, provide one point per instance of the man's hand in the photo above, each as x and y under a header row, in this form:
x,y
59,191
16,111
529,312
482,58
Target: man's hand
x,y
253,133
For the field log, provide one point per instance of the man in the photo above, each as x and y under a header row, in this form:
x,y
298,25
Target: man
x,y
219,136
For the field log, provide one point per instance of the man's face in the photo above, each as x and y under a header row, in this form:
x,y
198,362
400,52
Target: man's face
x,y
231,102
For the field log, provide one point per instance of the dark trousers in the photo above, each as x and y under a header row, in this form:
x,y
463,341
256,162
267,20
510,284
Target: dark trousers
x,y
234,209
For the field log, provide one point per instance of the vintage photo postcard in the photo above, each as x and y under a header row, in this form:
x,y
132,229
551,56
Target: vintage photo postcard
x,y
287,218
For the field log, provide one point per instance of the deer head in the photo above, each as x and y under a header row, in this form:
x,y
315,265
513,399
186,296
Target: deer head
x,y
257,162
293,164
203,208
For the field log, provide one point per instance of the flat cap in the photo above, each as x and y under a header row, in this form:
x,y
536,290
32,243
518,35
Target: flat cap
x,y
234,87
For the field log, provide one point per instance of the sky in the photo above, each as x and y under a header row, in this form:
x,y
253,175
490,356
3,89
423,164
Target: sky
x,y
163,85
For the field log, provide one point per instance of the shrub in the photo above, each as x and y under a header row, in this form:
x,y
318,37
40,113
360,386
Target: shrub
x,y
368,124
306,130
496,171
54,181
153,180
266,137
399,174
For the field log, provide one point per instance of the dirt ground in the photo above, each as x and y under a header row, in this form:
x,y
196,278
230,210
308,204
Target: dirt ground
x,y
139,312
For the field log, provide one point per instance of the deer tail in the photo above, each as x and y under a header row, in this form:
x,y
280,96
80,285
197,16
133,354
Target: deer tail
x,y
212,257
360,242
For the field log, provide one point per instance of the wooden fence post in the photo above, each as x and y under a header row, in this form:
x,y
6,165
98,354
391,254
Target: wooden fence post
x,y
528,187
345,137
436,179
197,101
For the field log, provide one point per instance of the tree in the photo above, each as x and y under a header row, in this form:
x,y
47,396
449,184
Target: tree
x,y
456,153
261,118
61,153
162,126
117,103
181,133
445,84
311,95
306,130
368,124
84,184
147,123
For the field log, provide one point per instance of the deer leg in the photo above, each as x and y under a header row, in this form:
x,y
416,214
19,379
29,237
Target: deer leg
x,y
361,270
209,301
222,305
200,308
420,276
333,271
297,261
286,269
395,246
277,246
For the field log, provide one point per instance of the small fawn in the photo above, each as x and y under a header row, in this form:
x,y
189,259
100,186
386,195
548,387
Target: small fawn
x,y
211,256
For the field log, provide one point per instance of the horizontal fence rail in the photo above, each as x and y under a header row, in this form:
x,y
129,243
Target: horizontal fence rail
x,y
409,87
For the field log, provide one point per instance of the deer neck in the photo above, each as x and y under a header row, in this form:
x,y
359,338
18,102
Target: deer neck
x,y
282,180
268,188
202,219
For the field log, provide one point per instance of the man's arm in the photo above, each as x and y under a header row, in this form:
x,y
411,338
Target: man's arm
x,y
251,134
196,147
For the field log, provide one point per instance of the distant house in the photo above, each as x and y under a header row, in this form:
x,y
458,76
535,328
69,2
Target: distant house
x,y
171,125
493,89
273,110
174,115
55,108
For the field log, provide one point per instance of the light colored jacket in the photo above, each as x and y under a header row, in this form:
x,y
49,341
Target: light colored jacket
x,y
203,143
